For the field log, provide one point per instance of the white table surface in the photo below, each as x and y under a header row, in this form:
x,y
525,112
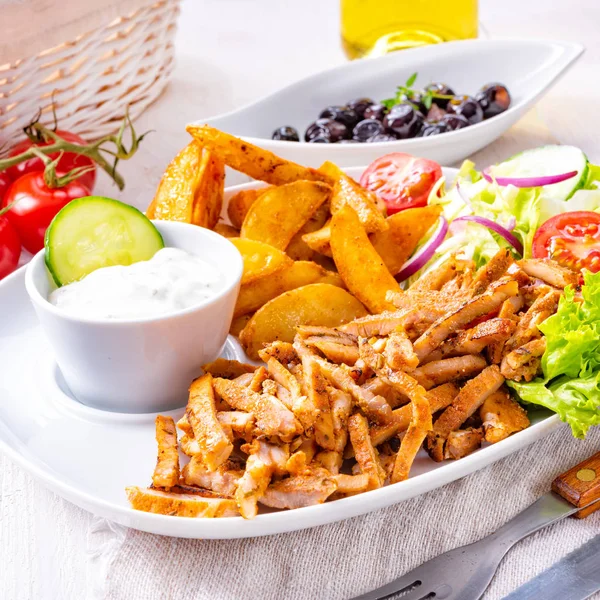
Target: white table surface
x,y
230,52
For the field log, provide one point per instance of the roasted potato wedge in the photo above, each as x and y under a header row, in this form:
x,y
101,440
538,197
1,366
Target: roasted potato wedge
x,y
406,228
239,205
298,249
227,231
260,260
208,200
320,240
364,202
279,213
350,246
253,295
316,304
395,245
253,161
191,189
238,324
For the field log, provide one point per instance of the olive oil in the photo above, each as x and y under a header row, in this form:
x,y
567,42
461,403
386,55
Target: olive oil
x,y
376,27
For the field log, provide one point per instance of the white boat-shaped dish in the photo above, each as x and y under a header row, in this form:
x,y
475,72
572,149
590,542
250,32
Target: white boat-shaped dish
x,y
89,456
527,67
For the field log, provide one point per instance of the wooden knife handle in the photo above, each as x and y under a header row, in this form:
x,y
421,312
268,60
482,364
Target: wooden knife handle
x,y
581,485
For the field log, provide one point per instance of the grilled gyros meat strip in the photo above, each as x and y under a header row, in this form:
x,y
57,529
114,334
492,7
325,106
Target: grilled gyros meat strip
x,y
362,397
469,399
477,307
549,271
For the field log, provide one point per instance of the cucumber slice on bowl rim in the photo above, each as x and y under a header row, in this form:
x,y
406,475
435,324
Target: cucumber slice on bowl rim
x,y
544,162
94,232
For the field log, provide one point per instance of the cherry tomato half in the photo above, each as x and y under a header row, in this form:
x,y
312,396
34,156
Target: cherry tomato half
x,y
35,206
402,180
572,239
68,161
5,182
10,247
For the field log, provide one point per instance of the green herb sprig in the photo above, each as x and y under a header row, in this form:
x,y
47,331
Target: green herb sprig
x,y
408,92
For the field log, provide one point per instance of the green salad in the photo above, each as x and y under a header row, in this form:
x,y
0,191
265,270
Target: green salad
x,y
519,209
570,385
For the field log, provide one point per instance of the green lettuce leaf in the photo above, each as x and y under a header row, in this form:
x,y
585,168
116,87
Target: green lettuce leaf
x,y
468,171
573,333
593,177
571,363
575,401
584,199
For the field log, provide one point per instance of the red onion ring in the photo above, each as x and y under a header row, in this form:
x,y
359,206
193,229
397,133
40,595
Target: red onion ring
x,y
527,182
424,253
501,231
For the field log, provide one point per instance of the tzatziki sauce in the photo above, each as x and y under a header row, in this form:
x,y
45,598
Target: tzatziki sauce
x,y
172,280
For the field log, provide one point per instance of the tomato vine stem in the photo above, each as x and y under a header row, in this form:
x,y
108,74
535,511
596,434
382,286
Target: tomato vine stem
x,y
111,145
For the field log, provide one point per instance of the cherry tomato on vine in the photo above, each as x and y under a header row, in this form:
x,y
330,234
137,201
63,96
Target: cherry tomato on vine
x,y
401,180
35,205
5,182
68,161
10,247
572,239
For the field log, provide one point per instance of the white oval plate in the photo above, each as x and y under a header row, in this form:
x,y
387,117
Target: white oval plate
x,y
89,456
527,67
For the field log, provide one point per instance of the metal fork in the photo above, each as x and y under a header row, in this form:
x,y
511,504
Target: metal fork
x,y
464,573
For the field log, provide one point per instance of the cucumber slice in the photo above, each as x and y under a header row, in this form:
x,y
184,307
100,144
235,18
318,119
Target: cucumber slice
x,y
549,160
94,232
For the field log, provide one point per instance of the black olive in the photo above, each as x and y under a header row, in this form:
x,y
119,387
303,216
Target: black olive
x,y
416,99
359,105
328,128
289,134
403,121
366,129
454,122
493,99
376,111
466,106
342,114
443,90
382,137
433,129
320,139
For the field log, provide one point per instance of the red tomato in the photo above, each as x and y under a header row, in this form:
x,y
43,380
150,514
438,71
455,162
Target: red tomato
x,y
5,182
68,162
572,239
402,180
35,206
10,247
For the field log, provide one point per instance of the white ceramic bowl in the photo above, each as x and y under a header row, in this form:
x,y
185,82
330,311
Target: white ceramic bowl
x,y
527,67
141,365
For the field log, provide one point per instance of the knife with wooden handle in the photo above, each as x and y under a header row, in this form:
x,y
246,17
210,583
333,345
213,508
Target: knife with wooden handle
x,y
464,573
581,486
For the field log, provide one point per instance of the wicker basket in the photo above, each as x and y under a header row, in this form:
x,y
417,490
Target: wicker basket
x,y
94,78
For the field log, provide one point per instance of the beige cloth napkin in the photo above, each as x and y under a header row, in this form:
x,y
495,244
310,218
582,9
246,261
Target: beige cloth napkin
x,y
338,561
